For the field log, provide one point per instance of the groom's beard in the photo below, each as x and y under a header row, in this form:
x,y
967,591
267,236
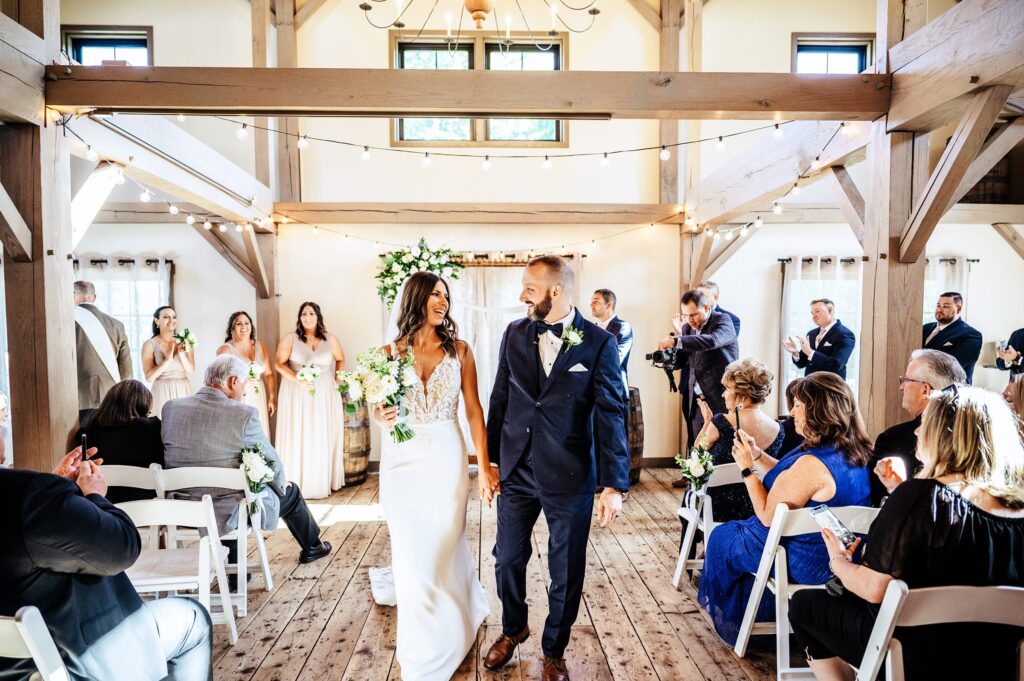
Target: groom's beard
x,y
540,311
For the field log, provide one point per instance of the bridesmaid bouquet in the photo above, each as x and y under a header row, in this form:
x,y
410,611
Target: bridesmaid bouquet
x,y
697,467
186,338
378,379
256,371
308,374
258,472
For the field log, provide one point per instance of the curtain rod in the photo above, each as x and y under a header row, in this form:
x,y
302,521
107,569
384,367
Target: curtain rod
x,y
827,261
125,261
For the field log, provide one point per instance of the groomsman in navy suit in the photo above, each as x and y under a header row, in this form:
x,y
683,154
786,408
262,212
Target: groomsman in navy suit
x,y
559,379
828,345
602,306
1011,358
951,334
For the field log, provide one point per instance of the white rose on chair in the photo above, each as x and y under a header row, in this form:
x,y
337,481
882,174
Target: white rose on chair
x,y
258,472
696,467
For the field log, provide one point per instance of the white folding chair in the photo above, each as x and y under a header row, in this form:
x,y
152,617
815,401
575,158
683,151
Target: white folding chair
x,y
138,478
904,607
789,523
697,511
182,569
25,636
174,479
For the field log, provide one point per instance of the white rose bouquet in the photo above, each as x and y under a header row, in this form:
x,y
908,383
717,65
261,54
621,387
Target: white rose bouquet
x,y
256,371
186,338
308,374
697,467
258,472
378,379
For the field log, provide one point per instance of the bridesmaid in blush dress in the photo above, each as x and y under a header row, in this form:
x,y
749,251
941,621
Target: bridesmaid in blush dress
x,y
167,364
241,341
311,427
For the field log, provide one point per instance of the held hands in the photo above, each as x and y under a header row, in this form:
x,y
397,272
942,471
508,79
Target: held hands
x,y
385,417
789,346
1009,354
609,506
745,450
891,471
806,347
490,485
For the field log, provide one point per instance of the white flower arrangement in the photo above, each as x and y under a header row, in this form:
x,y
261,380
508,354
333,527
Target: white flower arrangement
x,y
398,265
379,379
258,472
308,374
572,336
186,338
698,466
256,371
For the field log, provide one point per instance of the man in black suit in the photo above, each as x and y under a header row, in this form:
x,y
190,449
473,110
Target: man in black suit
x,y
710,289
894,458
827,347
708,344
602,306
559,379
1011,358
65,549
951,334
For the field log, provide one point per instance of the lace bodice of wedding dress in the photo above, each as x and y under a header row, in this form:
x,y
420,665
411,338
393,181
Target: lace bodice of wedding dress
x,y
438,399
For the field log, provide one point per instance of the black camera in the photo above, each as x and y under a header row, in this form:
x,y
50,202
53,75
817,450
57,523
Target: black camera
x,y
669,361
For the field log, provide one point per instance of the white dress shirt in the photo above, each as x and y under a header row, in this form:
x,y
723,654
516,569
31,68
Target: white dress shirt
x,y
549,345
604,324
820,337
935,332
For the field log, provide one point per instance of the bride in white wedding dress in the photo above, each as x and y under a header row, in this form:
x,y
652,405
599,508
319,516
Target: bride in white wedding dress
x,y
424,488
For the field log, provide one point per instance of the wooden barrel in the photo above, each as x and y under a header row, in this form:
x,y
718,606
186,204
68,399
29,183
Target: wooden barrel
x,y
357,446
635,434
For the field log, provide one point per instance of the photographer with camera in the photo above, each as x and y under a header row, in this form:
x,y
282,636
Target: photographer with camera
x,y
705,347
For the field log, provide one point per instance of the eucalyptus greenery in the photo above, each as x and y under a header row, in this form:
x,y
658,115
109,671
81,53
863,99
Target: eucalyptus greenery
x,y
398,265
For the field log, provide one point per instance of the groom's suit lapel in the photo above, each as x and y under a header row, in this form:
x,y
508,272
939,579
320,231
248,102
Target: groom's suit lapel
x,y
564,355
533,369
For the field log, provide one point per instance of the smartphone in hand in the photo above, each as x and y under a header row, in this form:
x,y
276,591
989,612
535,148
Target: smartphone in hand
x,y
824,516
85,447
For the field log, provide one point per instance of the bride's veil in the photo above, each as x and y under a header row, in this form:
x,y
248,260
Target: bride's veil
x,y
391,330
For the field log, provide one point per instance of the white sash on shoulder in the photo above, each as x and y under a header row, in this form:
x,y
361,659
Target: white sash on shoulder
x,y
101,343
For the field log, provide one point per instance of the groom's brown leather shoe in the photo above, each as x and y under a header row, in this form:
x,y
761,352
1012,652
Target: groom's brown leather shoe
x,y
554,670
501,650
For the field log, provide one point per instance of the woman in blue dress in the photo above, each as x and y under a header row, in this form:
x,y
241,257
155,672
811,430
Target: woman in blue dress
x,y
829,469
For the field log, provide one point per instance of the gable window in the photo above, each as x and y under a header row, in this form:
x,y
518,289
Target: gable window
x,y
93,45
832,53
431,51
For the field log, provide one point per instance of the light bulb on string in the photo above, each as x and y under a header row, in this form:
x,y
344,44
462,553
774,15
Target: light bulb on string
x,y
546,165
651,227
240,226
303,142
119,176
207,225
172,209
366,154
777,208
729,235
777,132
222,228
758,222
720,144
744,230
190,219
91,154
845,129
664,154
425,162
485,165
182,118
716,236
605,161
242,132
816,164
707,231
316,229
796,190
145,196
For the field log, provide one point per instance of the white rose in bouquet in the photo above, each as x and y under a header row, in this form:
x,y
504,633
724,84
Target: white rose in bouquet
x,y
416,251
390,384
696,468
407,258
410,377
374,390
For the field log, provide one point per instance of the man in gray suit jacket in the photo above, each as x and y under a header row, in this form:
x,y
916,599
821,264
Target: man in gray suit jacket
x,y
99,358
211,428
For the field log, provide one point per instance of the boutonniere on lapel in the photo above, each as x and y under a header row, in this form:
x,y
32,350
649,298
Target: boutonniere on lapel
x,y
572,336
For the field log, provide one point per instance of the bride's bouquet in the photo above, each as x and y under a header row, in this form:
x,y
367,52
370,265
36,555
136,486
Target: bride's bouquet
x,y
378,379
258,472
186,338
256,371
698,466
308,374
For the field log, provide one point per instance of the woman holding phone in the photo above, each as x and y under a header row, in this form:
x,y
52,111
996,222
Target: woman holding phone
x,y
961,521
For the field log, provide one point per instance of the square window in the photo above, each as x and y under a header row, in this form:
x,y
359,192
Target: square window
x,y
435,57
831,54
92,45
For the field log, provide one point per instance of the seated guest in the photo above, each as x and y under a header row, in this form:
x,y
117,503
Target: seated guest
x,y
747,383
211,428
1014,396
791,439
124,433
828,470
960,522
895,455
1011,358
65,551
827,347
951,334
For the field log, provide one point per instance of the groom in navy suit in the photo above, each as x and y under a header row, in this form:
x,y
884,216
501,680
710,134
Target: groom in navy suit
x,y
558,380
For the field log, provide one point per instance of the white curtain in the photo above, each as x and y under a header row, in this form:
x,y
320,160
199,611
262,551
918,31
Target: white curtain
x,y
837,278
944,273
129,290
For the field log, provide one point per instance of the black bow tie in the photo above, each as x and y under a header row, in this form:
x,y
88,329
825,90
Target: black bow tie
x,y
544,327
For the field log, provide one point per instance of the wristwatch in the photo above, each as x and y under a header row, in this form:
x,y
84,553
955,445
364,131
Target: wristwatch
x,y
747,472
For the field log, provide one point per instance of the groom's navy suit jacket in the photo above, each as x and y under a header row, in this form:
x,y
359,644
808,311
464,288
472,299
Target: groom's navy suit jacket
x,y
552,419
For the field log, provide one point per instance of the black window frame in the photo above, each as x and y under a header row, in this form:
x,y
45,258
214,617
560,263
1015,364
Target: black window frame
x,y
861,44
75,37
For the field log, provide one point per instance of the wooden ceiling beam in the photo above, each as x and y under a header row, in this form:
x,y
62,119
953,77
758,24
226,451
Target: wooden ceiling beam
x,y
976,44
849,198
14,231
397,92
480,213
650,14
1012,236
995,149
702,255
306,12
829,214
22,56
957,157
221,246
256,266
722,255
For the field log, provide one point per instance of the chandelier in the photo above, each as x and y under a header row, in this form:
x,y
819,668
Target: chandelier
x,y
481,12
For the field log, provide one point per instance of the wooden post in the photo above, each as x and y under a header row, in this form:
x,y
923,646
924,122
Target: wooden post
x,y
289,186
693,29
669,130
268,310
261,138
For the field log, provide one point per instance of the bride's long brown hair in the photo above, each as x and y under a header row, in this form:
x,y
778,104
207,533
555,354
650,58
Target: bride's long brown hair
x,y
412,315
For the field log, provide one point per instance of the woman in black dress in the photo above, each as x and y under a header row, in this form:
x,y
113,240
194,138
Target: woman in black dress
x,y
960,522
125,434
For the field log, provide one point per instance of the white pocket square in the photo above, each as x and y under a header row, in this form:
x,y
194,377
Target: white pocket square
x,y
827,344
577,368
947,344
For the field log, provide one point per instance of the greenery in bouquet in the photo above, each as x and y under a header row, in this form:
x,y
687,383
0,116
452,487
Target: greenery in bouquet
x,y
308,374
697,466
383,380
259,470
256,371
398,265
186,338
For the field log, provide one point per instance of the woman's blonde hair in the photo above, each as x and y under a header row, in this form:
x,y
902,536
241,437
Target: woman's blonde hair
x,y
972,431
1015,393
750,379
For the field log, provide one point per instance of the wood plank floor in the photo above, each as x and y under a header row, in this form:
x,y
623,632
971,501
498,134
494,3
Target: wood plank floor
x,y
320,622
